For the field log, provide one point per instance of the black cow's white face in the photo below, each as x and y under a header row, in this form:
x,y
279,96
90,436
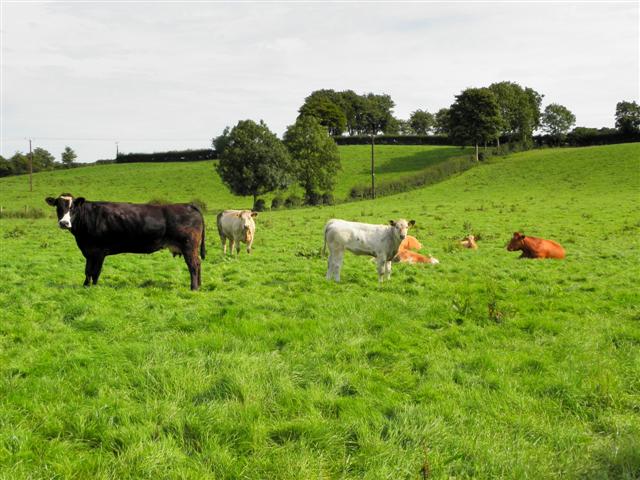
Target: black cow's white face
x,y
401,227
64,208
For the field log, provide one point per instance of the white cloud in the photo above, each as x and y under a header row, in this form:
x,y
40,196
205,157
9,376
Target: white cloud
x,y
176,72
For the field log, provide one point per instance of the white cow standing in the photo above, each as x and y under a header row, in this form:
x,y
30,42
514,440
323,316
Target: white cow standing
x,y
379,241
236,226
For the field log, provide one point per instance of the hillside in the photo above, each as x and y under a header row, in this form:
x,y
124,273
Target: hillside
x,y
484,366
183,182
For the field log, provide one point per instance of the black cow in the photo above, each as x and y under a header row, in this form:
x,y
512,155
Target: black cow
x,y
106,228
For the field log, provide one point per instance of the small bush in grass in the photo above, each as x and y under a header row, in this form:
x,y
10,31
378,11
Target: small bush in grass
x,y
277,202
293,201
313,198
260,205
327,198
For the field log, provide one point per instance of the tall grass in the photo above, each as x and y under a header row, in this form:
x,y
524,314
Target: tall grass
x,y
484,366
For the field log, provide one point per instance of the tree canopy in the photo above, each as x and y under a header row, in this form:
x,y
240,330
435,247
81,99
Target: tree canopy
x,y
254,161
314,155
628,117
68,156
421,122
475,117
557,120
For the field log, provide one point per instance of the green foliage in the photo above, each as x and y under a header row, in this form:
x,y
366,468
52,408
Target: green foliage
x,y
442,122
421,122
628,117
324,105
377,114
557,120
314,154
519,110
475,117
254,161
220,142
483,366
68,156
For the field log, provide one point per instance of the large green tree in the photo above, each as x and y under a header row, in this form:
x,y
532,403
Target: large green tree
x,y
519,109
557,120
441,122
377,114
628,117
475,117
68,156
315,155
421,122
254,161
325,106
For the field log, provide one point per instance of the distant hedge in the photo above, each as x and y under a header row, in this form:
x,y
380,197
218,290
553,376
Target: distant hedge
x,y
394,140
427,176
173,156
584,137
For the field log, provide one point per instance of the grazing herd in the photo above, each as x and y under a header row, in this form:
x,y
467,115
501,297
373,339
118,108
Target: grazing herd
x,y
107,228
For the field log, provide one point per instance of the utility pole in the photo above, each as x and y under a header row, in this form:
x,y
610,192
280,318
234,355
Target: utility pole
x,y
373,175
117,152
30,168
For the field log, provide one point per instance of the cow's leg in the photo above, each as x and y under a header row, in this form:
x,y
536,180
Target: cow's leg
x,y
231,246
88,270
97,267
249,246
380,261
237,247
224,244
337,258
192,260
387,270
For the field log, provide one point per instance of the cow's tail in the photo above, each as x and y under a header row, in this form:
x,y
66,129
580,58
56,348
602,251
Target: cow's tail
x,y
203,248
324,246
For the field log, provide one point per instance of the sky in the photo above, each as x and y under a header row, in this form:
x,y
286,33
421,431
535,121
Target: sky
x,y
157,76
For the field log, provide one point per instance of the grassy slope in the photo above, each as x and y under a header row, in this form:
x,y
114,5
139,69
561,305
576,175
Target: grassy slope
x,y
183,182
483,366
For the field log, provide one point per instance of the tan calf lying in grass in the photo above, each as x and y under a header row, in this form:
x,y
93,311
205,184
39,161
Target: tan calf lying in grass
x,y
405,255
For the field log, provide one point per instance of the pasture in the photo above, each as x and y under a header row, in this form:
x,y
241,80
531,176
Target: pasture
x,y
483,366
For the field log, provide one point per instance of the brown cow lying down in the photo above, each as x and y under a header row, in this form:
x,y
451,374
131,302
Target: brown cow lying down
x,y
469,242
533,247
405,255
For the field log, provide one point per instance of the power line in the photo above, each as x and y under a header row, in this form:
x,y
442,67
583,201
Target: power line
x,y
112,139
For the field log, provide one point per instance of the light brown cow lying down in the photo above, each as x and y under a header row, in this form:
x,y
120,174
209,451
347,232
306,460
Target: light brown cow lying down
x,y
405,255
469,242
533,247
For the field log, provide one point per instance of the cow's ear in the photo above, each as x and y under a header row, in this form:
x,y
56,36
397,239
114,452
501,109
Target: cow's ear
x,y
51,201
254,214
78,201
412,223
392,223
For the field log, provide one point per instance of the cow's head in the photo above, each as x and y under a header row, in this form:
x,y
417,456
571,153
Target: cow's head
x,y
516,243
248,225
401,227
65,207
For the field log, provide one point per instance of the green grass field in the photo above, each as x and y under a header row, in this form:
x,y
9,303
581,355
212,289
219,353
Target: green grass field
x,y
483,366
183,182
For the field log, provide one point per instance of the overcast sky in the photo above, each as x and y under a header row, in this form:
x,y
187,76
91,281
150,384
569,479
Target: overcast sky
x,y
165,76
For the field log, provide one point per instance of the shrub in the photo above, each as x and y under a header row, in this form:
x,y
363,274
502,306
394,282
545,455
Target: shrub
x,y
313,198
327,198
277,202
293,201
259,206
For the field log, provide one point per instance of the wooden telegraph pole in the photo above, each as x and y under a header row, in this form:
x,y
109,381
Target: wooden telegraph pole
x,y
373,175
30,168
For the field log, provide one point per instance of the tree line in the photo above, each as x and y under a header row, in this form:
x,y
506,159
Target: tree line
x,y
253,161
